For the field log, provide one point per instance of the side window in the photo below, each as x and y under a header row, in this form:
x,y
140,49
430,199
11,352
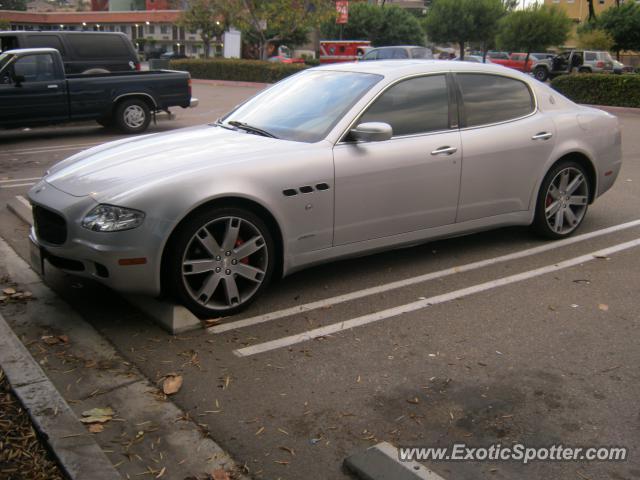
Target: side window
x,y
46,41
492,98
35,68
400,53
590,56
92,45
371,55
417,105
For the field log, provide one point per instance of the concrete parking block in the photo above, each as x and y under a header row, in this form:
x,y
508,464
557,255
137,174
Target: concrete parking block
x,y
381,462
21,207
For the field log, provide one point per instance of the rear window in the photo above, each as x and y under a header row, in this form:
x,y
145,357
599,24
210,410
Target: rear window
x,y
89,45
493,98
392,54
8,42
45,41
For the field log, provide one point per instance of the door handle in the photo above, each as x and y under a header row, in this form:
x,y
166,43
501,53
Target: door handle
x,y
542,136
444,151
52,86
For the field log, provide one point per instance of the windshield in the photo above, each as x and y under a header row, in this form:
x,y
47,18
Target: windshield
x,y
4,59
304,107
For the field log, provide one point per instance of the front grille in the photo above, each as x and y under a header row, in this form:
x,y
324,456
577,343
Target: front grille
x,y
50,227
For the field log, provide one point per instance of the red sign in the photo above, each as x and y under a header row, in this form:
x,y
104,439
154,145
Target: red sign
x,y
342,7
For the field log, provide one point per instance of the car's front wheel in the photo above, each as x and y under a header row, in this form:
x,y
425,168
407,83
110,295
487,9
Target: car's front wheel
x,y
220,261
562,201
541,74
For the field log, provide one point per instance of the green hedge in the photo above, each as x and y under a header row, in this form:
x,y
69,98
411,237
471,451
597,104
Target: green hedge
x,y
238,70
600,89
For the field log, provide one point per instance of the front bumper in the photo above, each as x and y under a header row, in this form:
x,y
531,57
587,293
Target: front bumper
x,y
102,256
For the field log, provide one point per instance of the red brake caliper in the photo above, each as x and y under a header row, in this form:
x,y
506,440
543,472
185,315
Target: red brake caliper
x,y
244,260
549,200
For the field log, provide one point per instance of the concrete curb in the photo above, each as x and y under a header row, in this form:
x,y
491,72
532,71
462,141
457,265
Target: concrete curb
x,y
615,110
186,450
381,462
21,208
228,83
78,454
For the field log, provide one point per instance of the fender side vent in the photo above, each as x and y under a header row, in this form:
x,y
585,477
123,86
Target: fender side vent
x,y
322,186
289,192
306,189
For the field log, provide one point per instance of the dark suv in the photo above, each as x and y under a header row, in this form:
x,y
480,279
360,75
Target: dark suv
x,y
82,52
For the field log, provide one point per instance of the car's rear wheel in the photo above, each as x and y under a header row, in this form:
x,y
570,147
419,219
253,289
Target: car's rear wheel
x,y
563,200
220,261
584,70
541,74
132,116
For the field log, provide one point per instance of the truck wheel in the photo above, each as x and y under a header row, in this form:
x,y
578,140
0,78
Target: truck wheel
x,y
132,116
584,70
541,74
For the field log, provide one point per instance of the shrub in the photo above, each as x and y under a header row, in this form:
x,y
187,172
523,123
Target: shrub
x,y
236,69
600,89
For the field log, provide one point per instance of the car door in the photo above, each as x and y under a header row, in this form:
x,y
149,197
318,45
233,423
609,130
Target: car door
x,y
409,182
505,141
38,97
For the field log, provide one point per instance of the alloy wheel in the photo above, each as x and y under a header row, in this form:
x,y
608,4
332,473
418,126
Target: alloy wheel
x,y
566,200
225,263
134,116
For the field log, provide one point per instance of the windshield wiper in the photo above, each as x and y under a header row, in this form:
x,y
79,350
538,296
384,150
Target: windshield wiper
x,y
251,128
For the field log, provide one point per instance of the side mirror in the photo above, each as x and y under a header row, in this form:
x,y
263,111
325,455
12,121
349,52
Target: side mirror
x,y
372,132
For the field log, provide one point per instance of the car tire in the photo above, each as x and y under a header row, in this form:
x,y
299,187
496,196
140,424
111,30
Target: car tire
x,y
562,201
132,116
584,70
208,268
541,74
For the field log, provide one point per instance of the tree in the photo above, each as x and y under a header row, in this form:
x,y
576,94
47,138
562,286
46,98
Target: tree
x,y
462,21
535,28
210,17
273,21
595,39
383,26
13,5
623,24
592,12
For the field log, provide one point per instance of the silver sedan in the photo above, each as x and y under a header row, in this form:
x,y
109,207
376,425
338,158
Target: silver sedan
x,y
332,162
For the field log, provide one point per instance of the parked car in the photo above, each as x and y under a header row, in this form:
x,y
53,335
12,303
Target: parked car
x,y
496,55
82,52
474,59
336,51
172,55
308,171
583,61
398,53
34,90
619,67
516,61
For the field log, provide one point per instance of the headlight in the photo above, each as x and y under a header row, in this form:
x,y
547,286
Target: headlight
x,y
109,218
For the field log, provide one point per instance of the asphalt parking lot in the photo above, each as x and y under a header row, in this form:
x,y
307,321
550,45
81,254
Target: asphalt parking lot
x,y
493,337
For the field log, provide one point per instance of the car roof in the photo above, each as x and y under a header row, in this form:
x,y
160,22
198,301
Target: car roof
x,y
402,68
31,50
398,46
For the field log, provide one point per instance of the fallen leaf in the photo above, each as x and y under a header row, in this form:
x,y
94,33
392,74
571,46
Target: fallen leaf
x,y
220,474
96,428
413,400
260,430
210,323
95,419
9,291
172,384
161,473
604,307
281,462
99,412
288,450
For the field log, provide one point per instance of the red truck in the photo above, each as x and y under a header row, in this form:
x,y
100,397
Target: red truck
x,y
335,51
516,61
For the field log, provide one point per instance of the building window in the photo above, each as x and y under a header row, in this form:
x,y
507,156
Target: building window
x,y
164,29
152,29
124,28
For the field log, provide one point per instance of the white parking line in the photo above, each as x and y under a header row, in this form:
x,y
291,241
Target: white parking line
x,y
51,148
420,304
246,322
13,180
15,185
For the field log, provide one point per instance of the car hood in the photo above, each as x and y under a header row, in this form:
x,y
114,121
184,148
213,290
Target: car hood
x,y
117,167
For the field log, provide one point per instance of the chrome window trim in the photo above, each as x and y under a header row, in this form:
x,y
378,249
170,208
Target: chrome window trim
x,y
342,136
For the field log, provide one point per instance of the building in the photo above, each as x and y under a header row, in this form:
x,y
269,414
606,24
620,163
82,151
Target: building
x,y
149,30
578,10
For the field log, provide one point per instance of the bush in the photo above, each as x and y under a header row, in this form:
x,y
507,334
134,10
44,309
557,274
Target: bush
x,y
236,69
600,89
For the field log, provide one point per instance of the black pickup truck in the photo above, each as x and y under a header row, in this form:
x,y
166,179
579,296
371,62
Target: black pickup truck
x,y
34,90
